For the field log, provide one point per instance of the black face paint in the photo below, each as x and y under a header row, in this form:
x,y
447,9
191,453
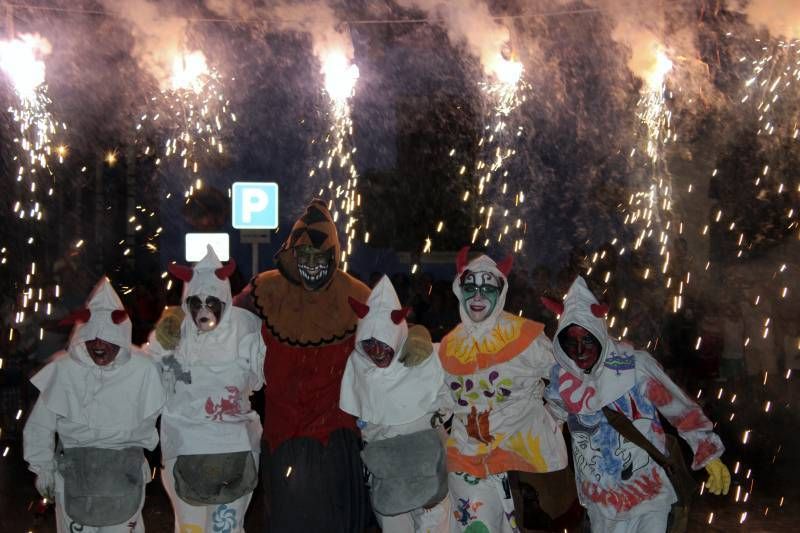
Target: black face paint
x,y
205,314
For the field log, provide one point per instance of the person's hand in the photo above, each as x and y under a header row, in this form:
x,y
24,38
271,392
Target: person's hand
x,y
719,478
46,484
168,328
417,348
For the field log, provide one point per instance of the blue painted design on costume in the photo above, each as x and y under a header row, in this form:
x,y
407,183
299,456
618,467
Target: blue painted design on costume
x,y
223,519
620,362
361,424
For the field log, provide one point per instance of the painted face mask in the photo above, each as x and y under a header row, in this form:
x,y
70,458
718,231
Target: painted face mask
x,y
102,352
314,266
206,311
581,346
380,353
480,291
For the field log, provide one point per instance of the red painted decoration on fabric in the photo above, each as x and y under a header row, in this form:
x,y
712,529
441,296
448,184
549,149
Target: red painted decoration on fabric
x,y
695,419
705,449
658,393
628,495
573,384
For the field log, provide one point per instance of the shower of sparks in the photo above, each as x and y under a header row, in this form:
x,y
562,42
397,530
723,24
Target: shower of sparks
x,y
336,170
498,201
195,114
22,62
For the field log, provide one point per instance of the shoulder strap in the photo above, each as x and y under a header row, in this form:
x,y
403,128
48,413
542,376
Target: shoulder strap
x,y
625,427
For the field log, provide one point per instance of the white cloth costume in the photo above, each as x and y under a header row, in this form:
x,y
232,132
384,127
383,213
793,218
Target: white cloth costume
x,y
623,489
209,378
87,405
493,373
392,401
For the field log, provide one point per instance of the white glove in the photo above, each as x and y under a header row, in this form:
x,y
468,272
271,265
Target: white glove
x,y
46,484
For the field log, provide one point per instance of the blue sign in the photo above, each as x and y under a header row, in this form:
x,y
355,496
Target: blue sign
x,y
255,205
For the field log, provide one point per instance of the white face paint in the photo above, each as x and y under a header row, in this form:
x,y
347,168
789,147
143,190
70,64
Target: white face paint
x,y
480,291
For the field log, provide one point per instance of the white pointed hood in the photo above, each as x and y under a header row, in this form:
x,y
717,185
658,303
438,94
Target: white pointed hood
x,y
209,277
103,306
481,263
396,394
614,372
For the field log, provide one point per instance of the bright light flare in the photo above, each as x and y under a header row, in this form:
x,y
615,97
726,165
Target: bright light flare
x,y
506,71
22,61
189,71
662,65
340,76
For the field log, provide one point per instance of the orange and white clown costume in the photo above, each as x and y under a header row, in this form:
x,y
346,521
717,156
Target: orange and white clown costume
x,y
493,370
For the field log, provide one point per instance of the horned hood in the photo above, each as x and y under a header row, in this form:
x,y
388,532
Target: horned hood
x,y
396,394
614,372
104,317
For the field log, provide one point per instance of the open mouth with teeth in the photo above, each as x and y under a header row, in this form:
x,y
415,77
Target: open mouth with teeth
x,y
313,276
102,352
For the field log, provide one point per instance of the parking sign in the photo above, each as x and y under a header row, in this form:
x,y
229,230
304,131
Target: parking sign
x,y
255,205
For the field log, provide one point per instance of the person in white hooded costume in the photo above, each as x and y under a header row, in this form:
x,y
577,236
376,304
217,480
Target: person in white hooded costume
x,y
620,485
210,436
101,397
494,365
391,399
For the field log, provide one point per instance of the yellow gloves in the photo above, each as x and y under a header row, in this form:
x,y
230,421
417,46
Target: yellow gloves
x,y
168,328
418,346
719,478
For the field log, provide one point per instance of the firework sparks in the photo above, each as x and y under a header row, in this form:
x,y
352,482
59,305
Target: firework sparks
x,y
194,111
336,168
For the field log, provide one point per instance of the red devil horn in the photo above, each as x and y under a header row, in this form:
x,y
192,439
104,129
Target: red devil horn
x,y
119,316
599,310
554,306
76,317
398,315
504,266
461,259
225,272
359,308
182,272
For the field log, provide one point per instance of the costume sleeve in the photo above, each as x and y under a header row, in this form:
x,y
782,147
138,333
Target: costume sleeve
x,y
38,438
253,348
553,401
680,410
539,355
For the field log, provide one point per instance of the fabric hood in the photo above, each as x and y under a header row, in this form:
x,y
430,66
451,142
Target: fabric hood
x,y
315,228
613,373
107,320
396,394
481,263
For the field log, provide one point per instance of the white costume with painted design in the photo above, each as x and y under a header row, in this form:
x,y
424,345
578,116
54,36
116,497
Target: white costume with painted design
x,y
209,379
392,401
620,485
494,372
87,405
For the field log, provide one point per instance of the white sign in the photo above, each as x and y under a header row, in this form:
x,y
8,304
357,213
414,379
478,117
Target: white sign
x,y
197,246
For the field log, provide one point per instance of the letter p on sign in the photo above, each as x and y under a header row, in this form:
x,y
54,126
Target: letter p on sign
x,y
255,205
